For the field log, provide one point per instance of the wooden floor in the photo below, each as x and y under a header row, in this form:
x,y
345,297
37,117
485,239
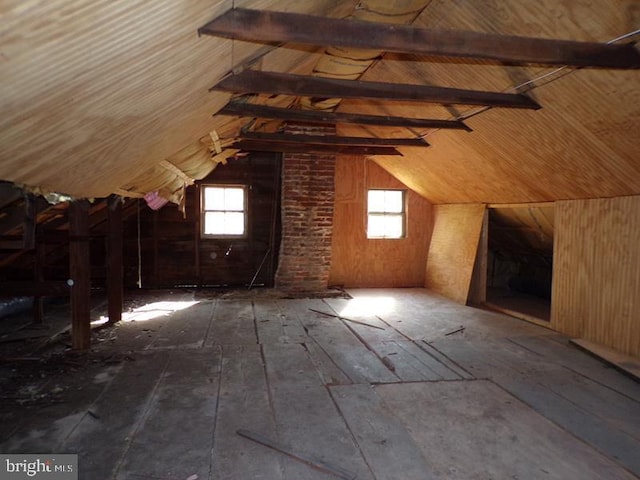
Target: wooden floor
x,y
436,391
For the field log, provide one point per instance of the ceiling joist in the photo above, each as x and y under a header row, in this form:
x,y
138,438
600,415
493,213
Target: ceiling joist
x,y
263,111
290,147
268,26
333,140
251,81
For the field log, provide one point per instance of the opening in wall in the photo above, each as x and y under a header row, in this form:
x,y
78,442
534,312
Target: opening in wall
x,y
520,261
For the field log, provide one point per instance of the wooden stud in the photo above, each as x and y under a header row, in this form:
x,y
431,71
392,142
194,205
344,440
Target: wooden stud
x,y
115,260
251,81
80,268
280,27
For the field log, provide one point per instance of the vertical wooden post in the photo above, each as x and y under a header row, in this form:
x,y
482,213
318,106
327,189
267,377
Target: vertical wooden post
x,y
80,268
38,276
114,258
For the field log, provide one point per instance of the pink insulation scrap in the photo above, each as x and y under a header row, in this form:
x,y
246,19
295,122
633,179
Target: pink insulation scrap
x,y
155,201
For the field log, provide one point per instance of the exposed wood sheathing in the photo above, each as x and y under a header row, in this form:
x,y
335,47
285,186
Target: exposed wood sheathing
x,y
557,152
452,254
361,262
95,94
596,288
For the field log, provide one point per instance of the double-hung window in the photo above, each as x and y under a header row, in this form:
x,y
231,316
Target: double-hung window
x,y
224,211
386,214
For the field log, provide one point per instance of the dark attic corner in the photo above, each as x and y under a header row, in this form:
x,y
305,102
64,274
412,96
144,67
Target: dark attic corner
x,y
311,240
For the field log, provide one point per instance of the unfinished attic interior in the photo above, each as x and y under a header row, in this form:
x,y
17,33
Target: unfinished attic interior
x,y
365,240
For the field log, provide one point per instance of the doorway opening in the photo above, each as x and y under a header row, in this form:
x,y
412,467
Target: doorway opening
x,y
520,261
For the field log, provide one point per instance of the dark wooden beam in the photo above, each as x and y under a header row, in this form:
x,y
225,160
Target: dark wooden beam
x,y
251,81
262,111
80,268
288,147
280,27
115,259
334,140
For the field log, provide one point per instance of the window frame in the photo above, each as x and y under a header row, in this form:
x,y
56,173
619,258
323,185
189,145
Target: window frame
x,y
402,214
203,211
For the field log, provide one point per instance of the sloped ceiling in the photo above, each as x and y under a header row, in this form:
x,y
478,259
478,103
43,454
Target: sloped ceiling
x,y
96,93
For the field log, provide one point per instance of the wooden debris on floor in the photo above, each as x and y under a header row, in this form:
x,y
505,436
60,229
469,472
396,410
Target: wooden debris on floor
x,y
434,390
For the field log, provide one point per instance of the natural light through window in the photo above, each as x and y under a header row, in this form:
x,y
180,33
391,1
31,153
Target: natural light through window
x,y
224,211
369,306
149,311
385,214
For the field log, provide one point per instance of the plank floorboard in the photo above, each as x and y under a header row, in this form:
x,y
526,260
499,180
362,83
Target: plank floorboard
x,y
274,325
307,418
500,399
557,393
359,363
233,323
474,429
175,437
385,441
243,404
186,328
102,436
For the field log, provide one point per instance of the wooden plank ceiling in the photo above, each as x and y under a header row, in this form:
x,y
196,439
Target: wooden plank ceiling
x,y
99,97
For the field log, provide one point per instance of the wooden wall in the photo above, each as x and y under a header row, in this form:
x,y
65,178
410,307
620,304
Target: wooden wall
x,y
361,262
173,252
456,235
596,288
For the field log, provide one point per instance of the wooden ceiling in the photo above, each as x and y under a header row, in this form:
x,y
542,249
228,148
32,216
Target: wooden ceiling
x,y
98,93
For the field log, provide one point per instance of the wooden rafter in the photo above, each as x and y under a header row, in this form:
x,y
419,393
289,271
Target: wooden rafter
x,y
289,147
251,81
262,111
334,140
267,26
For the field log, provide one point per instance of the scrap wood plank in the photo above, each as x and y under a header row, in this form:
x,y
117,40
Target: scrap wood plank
x,y
345,349
301,457
346,319
413,364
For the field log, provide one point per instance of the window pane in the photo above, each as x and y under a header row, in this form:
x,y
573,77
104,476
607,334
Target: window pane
x,y
393,226
385,226
224,223
393,201
234,223
213,198
214,223
376,226
234,199
375,201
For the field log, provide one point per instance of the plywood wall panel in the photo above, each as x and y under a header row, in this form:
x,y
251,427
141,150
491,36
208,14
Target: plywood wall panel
x,y
361,262
596,288
452,254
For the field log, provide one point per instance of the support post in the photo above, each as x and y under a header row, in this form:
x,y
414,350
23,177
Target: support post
x,y
114,259
80,269
38,276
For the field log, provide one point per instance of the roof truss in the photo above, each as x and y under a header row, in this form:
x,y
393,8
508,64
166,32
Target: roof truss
x,y
263,111
251,81
280,27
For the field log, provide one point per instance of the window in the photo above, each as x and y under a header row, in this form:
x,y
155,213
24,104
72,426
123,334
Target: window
x,y
386,214
224,211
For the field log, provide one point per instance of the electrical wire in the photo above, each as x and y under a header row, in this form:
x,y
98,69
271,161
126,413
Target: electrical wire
x,y
533,83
